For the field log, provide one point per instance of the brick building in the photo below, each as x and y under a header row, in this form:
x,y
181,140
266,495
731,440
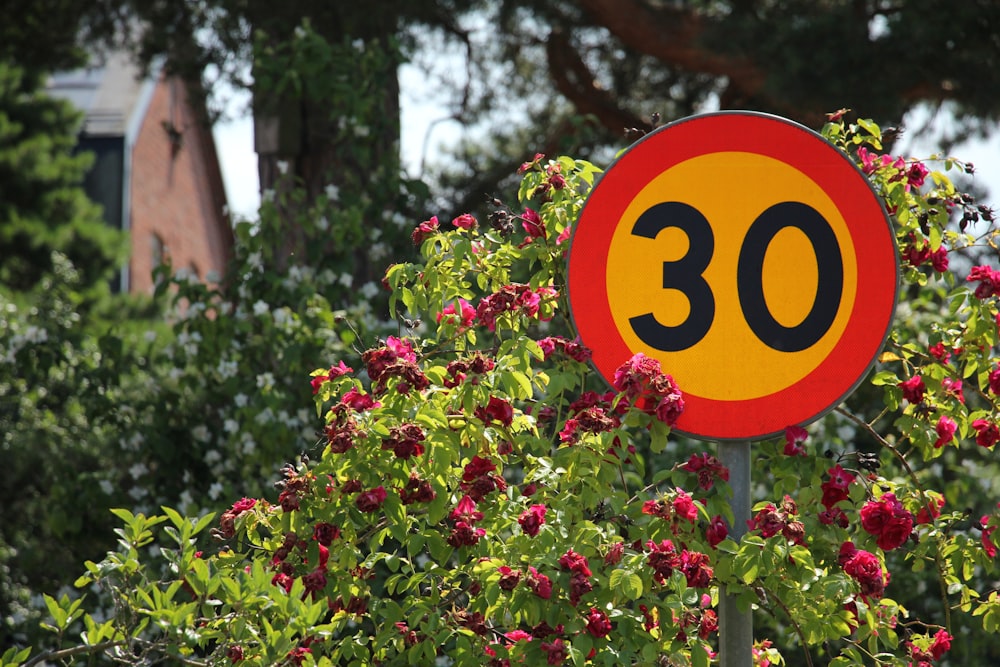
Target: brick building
x,y
156,172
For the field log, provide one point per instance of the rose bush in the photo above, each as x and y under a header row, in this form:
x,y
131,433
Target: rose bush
x,y
477,498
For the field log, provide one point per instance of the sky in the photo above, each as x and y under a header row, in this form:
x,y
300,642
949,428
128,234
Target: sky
x,y
234,142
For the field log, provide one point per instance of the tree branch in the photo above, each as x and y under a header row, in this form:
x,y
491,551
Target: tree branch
x,y
576,82
671,34
70,652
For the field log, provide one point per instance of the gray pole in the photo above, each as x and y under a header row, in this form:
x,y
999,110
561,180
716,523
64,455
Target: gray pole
x,y
736,627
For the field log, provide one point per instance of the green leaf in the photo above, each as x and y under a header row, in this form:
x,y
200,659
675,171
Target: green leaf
x,y
699,656
57,613
632,586
884,378
175,517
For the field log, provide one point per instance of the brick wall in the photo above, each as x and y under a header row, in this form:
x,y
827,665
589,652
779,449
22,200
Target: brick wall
x,y
177,196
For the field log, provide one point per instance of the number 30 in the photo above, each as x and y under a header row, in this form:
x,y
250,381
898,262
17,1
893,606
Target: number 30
x,y
686,275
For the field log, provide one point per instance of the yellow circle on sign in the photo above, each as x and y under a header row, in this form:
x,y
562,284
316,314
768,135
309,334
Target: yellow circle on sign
x,y
731,189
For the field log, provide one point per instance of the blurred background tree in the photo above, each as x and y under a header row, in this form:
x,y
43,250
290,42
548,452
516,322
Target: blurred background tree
x,y
43,207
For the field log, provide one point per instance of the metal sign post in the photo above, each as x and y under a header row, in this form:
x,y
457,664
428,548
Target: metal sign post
x,y
736,627
755,262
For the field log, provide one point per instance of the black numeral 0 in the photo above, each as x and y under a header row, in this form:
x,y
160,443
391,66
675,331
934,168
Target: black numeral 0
x,y
686,276
829,263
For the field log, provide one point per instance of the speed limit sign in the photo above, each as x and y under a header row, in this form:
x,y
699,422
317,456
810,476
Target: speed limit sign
x,y
750,257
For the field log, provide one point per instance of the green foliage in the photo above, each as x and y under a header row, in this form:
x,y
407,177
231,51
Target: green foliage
x,y
186,398
471,501
66,385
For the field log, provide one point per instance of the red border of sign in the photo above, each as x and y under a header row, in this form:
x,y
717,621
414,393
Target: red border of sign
x,y
870,320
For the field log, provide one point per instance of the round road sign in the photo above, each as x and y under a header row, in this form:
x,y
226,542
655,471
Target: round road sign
x,y
750,257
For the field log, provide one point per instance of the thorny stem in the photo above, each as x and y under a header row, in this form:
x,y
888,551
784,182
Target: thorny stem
x,y
90,649
70,652
764,597
924,499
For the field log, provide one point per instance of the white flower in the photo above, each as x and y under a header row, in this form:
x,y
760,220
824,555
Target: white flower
x,y
368,290
283,166
249,445
264,416
240,400
35,334
231,426
323,224
332,192
358,44
212,276
260,308
378,251
226,369
106,486
265,380
186,499
255,261
200,433
149,336
137,492
215,491
346,279
196,309
213,456
361,130
282,316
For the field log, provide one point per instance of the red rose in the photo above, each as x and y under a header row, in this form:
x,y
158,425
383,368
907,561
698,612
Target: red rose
x,y
531,519
615,553
913,389
371,500
508,578
574,562
532,224
696,569
987,433
865,568
556,650
716,531
423,230
243,505
598,624
888,521
945,430
684,506
465,221
539,583
325,533
941,644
